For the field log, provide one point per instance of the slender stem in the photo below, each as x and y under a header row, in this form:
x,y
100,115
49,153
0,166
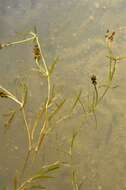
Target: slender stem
x,y
43,129
25,163
28,130
11,96
42,134
96,94
104,93
16,100
40,69
20,42
42,57
110,68
22,186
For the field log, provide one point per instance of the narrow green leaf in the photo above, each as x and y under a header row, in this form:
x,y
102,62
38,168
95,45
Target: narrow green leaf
x,y
59,106
40,177
53,65
37,120
76,100
73,138
82,105
49,168
10,119
72,142
113,70
25,94
37,187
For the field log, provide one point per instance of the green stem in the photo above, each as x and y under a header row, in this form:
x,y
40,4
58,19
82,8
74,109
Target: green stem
x,y
20,42
27,129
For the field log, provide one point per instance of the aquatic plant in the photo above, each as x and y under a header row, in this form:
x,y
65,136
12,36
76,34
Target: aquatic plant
x,y
50,108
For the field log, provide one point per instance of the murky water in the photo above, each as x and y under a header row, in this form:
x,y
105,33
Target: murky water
x,y
74,30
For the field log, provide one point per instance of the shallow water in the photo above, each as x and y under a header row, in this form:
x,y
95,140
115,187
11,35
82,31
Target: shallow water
x,y
74,30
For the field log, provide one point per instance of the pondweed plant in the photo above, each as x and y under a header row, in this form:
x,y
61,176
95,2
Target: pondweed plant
x,y
50,108
100,90
43,69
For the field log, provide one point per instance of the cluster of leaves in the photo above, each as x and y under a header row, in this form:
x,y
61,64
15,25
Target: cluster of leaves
x,y
33,182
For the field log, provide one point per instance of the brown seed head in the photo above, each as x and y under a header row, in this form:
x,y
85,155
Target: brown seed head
x,y
94,79
3,94
36,52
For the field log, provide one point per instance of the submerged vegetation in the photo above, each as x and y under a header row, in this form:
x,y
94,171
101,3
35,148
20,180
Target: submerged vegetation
x,y
51,108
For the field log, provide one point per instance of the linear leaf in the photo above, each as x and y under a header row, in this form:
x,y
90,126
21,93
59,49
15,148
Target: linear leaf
x,y
25,94
59,106
53,65
37,120
37,187
49,168
76,100
72,142
10,118
40,176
